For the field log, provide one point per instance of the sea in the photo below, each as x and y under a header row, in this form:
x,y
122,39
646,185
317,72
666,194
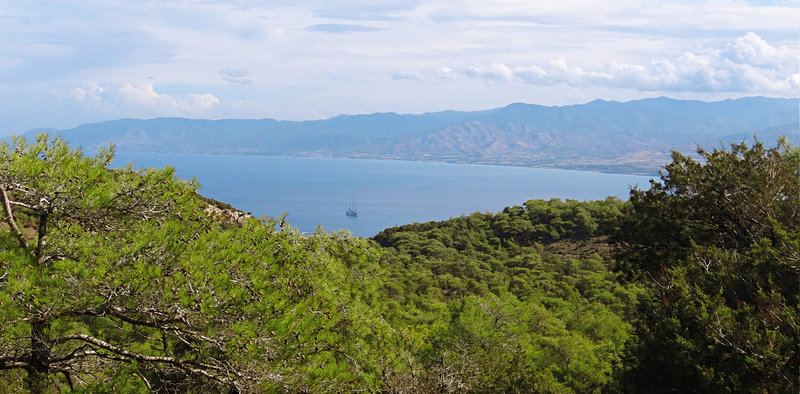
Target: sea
x,y
387,193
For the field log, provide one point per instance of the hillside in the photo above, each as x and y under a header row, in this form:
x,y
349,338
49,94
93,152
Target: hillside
x,y
127,280
631,137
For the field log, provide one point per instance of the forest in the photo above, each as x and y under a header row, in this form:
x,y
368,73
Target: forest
x,y
128,280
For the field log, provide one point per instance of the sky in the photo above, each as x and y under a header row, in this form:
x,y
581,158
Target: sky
x,y
65,63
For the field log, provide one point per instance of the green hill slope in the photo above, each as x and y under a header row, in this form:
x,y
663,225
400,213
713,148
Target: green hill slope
x,y
128,280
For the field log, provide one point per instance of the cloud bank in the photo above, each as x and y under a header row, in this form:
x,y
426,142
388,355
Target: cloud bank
x,y
747,64
143,98
235,75
69,62
341,28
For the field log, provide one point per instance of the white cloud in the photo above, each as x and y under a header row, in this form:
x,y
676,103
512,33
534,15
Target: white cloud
x,y
201,58
142,100
446,73
497,72
409,75
752,49
201,101
145,95
747,64
235,75
92,93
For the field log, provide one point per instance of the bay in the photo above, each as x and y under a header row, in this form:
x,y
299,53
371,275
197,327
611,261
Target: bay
x,y
316,191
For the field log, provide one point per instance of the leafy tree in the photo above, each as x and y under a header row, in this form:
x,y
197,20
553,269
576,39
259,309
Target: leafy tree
x,y
716,243
118,279
127,280
491,309
500,344
69,261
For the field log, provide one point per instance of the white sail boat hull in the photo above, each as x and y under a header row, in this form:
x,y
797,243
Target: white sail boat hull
x,y
352,211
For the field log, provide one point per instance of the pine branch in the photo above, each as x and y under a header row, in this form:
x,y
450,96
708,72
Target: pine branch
x,y
10,218
210,371
14,363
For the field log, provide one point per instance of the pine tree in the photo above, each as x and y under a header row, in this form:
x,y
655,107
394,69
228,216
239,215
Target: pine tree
x,y
717,244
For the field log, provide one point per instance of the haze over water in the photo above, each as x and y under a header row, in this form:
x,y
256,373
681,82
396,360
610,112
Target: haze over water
x,y
315,191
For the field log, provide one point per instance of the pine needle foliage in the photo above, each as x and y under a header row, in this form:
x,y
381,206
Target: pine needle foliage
x,y
716,243
119,280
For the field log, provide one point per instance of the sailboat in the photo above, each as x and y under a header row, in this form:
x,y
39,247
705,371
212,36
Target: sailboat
x,y
352,210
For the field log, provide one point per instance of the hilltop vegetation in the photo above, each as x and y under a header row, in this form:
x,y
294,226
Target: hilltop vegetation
x,y
503,313
717,246
119,279
125,280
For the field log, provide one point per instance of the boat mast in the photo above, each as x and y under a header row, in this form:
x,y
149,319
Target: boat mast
x,y
352,209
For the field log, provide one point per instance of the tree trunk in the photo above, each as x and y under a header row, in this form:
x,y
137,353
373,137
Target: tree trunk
x,y
40,257
40,357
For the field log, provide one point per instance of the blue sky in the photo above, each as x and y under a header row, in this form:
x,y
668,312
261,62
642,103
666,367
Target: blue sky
x,y
63,63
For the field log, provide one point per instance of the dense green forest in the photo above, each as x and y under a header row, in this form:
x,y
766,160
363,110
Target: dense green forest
x,y
127,280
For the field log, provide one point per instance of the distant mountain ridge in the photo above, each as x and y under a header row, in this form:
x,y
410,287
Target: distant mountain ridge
x,y
629,137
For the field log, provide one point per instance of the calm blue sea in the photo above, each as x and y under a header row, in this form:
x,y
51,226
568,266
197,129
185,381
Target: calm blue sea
x,y
315,191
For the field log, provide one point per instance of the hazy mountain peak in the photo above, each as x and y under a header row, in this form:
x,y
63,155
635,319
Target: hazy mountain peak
x,y
599,135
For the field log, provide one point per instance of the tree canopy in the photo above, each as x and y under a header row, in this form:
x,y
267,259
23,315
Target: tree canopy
x,y
501,309
716,243
116,279
120,279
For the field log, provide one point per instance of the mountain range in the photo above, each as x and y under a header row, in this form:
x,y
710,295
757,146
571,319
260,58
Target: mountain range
x,y
630,137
